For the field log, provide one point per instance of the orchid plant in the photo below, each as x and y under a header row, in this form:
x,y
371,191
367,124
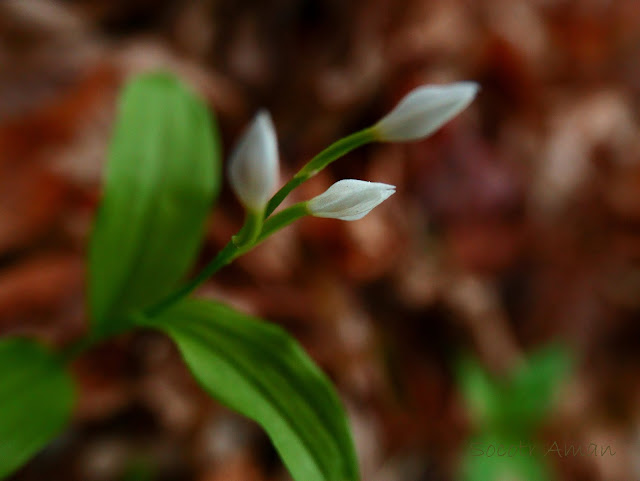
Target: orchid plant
x,y
162,177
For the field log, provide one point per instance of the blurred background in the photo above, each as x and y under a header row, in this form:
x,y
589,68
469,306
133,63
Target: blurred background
x,y
517,224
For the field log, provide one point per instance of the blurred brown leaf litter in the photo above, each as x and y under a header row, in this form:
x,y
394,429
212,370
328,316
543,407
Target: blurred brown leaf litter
x,y
517,223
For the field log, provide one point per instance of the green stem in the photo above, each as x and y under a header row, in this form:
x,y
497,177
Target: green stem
x,y
115,327
78,348
250,230
319,162
224,257
230,252
282,219
251,235
255,229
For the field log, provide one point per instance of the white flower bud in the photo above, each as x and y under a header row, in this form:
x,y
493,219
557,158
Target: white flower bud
x,y
424,110
253,167
349,199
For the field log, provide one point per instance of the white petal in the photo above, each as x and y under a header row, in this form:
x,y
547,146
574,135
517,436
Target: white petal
x,y
424,110
350,199
253,167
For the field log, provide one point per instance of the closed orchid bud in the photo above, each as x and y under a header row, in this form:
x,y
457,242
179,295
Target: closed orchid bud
x,y
424,110
253,167
349,199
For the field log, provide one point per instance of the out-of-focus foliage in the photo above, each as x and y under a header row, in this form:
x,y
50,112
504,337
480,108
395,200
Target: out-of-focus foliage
x,y
162,176
139,470
508,412
36,398
521,466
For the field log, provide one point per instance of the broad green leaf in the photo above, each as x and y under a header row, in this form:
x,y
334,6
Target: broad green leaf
x,y
258,370
161,179
36,398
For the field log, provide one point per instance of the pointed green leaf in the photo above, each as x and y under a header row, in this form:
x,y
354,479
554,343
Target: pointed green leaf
x,y
36,398
258,370
161,179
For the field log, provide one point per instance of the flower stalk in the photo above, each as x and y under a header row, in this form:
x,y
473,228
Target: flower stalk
x,y
253,173
323,159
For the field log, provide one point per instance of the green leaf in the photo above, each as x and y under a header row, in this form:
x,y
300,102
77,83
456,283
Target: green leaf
x,y
493,458
519,402
323,159
162,176
36,398
480,390
533,387
258,370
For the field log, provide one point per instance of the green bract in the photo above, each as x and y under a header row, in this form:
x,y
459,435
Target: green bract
x,y
36,398
162,176
258,370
